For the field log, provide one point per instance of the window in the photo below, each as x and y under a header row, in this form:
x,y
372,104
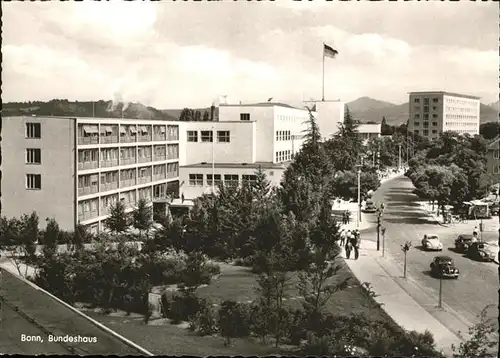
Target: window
x,y
417,131
416,100
417,115
426,124
223,136
33,156
196,179
33,181
33,130
426,109
435,100
426,132
244,116
434,124
192,136
426,116
434,115
248,179
231,179
434,131
207,136
434,108
417,124
426,101
495,155
218,180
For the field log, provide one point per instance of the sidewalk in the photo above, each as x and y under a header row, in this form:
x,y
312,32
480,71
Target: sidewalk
x,y
396,295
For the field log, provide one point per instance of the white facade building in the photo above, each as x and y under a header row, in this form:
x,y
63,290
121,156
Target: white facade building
x,y
245,137
432,113
329,115
369,131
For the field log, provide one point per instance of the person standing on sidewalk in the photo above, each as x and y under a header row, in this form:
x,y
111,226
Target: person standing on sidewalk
x,y
355,245
348,248
475,232
343,235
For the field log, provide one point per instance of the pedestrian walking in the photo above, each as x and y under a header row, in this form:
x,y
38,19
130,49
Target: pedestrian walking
x,y
343,234
348,248
347,216
357,236
344,219
475,232
355,246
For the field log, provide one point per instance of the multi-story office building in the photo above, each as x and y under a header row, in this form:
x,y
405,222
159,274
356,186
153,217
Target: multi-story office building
x,y
74,169
244,138
432,113
493,160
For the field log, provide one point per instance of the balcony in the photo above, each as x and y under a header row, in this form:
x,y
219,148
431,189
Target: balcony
x,y
171,175
88,215
128,139
144,180
129,204
144,138
109,186
160,137
109,163
127,161
109,139
88,165
126,183
88,140
87,190
146,159
157,177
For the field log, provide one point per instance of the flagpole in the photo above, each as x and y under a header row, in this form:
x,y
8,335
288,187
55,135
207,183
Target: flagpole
x,y
213,159
323,88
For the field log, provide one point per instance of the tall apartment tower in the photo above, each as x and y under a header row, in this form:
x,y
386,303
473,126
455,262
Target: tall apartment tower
x,y
74,169
432,113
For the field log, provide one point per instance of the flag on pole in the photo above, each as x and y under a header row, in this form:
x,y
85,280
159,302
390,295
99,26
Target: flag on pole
x,y
329,52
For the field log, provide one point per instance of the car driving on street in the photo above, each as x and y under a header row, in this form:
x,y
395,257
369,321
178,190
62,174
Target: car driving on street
x,y
482,251
370,207
444,267
431,243
463,242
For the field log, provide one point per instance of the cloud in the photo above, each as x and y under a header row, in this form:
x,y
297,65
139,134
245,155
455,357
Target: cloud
x,y
186,54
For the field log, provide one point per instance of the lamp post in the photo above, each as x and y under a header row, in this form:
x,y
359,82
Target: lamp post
x,y
440,303
379,219
359,196
383,242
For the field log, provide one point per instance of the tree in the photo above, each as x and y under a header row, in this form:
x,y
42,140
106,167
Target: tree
x,y
197,115
489,130
118,221
80,237
405,248
50,238
233,322
143,217
385,128
206,116
482,338
324,266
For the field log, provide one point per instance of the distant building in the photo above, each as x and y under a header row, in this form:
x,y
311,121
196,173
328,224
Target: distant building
x,y
245,137
493,160
329,115
74,169
432,113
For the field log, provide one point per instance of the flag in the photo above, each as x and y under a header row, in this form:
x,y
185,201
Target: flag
x,y
329,52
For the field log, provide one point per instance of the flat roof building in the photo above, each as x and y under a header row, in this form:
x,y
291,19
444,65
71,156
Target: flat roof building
x,y
434,112
245,137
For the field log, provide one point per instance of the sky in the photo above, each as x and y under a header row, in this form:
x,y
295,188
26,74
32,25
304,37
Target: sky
x,y
187,54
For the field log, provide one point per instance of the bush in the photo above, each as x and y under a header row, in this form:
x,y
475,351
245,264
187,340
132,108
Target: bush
x,y
205,321
234,320
244,261
184,307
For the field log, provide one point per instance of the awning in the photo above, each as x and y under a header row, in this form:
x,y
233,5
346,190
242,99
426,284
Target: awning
x,y
162,129
133,130
90,129
144,129
108,129
123,130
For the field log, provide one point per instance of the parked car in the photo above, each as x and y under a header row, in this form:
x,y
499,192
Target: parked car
x,y
370,207
444,267
482,251
462,242
431,243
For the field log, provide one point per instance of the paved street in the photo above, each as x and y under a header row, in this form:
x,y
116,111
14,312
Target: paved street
x,y
404,220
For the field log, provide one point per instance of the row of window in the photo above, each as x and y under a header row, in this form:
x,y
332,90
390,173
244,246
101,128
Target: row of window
x,y
283,135
170,151
460,116
426,115
426,100
282,117
460,124
462,110
425,132
426,124
283,156
208,136
172,132
229,179
426,109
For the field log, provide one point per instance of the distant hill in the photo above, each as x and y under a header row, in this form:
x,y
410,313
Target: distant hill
x,y
367,103
98,109
495,105
398,114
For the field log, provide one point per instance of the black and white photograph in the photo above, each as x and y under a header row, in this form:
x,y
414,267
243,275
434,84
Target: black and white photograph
x,y
250,178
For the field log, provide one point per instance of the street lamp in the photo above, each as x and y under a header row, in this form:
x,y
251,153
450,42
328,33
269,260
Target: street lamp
x,y
359,195
380,211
